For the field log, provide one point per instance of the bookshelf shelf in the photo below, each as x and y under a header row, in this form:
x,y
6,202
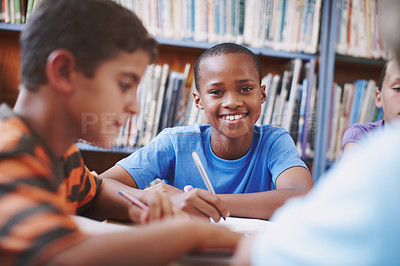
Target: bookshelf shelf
x,y
89,147
198,45
11,27
258,51
360,60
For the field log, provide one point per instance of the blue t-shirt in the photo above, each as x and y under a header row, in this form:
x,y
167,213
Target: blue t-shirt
x,y
169,157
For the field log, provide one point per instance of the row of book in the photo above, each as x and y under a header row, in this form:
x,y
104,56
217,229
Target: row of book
x,y
166,101
358,29
163,95
350,103
291,103
290,25
16,11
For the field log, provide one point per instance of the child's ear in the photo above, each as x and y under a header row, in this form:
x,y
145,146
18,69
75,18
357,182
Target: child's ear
x,y
60,70
263,94
197,100
378,99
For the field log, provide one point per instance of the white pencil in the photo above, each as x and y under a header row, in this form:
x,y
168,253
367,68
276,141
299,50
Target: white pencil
x,y
203,174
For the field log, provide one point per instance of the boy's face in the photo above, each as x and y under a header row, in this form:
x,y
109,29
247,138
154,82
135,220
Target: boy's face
x,y
389,97
230,94
104,102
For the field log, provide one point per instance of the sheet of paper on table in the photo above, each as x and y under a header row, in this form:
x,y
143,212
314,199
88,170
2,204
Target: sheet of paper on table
x,y
94,227
246,226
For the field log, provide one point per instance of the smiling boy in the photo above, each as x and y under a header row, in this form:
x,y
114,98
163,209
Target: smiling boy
x,y
254,170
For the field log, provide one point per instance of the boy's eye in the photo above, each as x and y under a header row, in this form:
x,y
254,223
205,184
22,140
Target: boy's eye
x,y
246,89
215,92
124,86
397,89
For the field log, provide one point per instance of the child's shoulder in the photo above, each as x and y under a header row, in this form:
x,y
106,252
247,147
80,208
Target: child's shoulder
x,y
269,130
186,131
13,129
196,128
364,128
28,153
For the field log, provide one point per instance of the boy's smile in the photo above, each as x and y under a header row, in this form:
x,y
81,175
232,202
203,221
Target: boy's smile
x,y
231,96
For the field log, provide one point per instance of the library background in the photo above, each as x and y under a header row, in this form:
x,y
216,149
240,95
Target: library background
x,y
321,61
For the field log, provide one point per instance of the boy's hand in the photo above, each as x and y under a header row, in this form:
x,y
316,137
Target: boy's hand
x,y
212,236
165,188
201,203
159,204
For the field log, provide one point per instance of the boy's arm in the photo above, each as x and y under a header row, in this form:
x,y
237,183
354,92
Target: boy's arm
x,y
198,202
156,244
350,145
109,204
118,173
292,182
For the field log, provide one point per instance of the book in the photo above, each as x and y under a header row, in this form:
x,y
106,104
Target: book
x,y
311,119
349,102
292,94
191,110
312,47
271,100
367,102
294,126
309,105
150,114
284,92
182,98
166,108
144,99
331,153
267,82
200,28
248,33
160,99
302,116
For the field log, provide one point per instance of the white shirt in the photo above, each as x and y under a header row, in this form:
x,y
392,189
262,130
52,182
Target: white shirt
x,y
351,217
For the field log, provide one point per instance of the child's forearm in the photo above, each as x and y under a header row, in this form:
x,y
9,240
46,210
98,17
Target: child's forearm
x,y
259,205
157,244
110,204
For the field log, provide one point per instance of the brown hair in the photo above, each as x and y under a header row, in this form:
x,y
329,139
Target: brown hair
x,y
92,30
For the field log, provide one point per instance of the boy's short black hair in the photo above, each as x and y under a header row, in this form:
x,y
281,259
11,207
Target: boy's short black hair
x,y
221,49
92,30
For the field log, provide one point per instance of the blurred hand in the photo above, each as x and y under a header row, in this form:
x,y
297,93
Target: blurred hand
x,y
160,207
242,256
201,203
164,188
212,236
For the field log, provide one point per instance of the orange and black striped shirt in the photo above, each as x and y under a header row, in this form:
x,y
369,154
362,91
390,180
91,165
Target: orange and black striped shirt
x,y
38,193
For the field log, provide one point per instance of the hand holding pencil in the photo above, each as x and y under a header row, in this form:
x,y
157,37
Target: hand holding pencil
x,y
200,202
203,174
153,206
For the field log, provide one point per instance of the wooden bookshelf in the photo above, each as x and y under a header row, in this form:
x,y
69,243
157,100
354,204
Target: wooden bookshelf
x,y
9,65
350,68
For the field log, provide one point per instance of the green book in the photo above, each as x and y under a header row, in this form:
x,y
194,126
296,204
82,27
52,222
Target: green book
x,y
29,9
